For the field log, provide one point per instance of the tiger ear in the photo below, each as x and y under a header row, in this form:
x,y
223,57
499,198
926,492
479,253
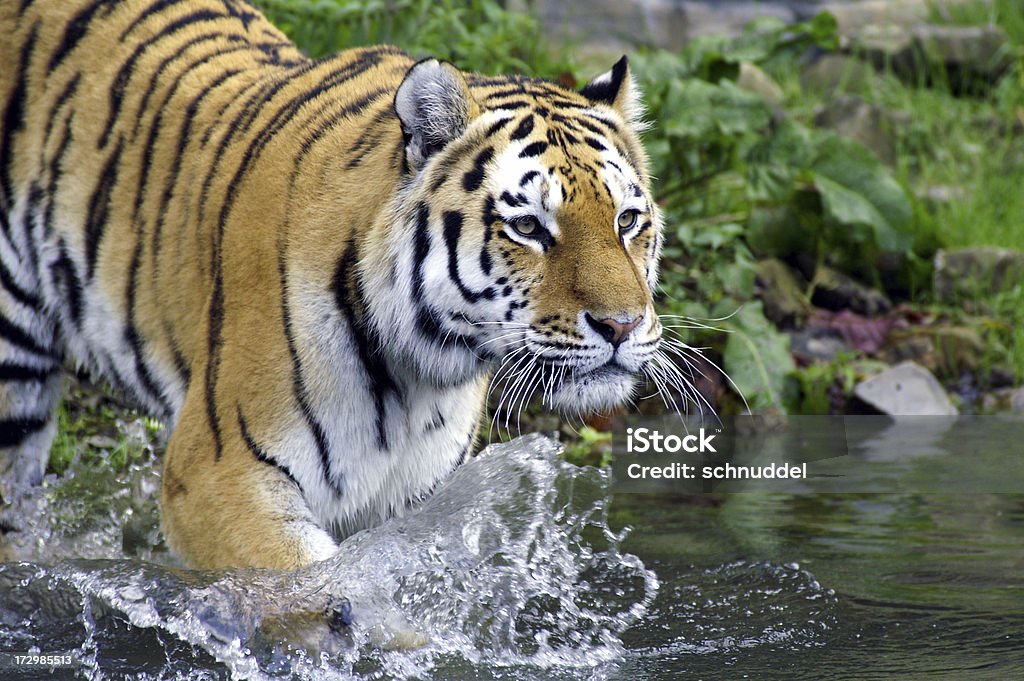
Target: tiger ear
x,y
434,106
616,89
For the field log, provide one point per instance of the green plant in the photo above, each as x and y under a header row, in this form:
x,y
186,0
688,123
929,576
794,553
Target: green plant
x,y
478,35
591,448
738,181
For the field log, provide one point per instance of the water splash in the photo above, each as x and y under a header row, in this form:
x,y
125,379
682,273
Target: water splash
x,y
511,564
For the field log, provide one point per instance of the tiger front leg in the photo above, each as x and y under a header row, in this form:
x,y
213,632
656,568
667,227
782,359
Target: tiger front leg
x,y
232,510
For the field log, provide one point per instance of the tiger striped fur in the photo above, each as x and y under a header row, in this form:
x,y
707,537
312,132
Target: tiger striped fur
x,y
308,269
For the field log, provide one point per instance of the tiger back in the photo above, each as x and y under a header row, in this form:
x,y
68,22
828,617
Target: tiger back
x,y
310,270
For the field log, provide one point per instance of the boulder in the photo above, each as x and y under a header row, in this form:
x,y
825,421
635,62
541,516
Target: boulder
x,y
783,295
864,123
948,351
907,389
968,276
966,55
834,290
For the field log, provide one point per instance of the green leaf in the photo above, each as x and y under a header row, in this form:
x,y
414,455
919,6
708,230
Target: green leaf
x,y
857,190
757,358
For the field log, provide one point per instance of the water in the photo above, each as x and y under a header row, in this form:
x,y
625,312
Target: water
x,y
519,568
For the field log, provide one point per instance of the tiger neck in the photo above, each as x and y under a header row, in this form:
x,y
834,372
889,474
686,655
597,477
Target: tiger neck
x,y
396,276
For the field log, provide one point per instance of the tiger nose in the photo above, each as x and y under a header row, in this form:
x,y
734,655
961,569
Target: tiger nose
x,y
612,330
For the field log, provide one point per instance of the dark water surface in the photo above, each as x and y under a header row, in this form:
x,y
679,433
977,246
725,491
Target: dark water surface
x,y
520,569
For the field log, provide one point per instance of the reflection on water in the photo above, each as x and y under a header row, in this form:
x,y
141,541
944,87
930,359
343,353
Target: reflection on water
x,y
513,571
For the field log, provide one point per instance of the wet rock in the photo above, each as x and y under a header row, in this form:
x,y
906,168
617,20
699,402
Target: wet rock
x,y
865,123
756,81
907,389
834,290
782,293
968,276
949,351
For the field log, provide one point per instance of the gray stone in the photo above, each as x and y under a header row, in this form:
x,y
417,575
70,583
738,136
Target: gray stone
x,y
754,80
907,389
838,72
864,123
969,276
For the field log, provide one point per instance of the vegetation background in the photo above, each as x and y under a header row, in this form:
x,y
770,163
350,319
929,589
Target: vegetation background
x,y
780,231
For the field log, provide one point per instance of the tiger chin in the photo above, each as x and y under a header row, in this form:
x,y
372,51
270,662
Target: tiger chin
x,y
311,271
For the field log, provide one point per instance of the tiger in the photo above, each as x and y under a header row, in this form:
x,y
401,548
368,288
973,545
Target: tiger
x,y
310,270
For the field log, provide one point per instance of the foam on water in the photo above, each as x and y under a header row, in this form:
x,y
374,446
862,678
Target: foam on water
x,y
510,564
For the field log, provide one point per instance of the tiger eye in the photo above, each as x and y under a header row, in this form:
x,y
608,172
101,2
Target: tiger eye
x,y
526,226
627,219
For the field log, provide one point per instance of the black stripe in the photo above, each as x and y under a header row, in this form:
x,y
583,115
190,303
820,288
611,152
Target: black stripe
x,y
67,281
489,218
421,247
381,383
124,74
19,372
298,385
152,9
99,208
15,431
135,342
533,149
595,143
13,121
497,125
20,338
260,453
75,31
153,77
472,180
523,129
213,346
529,175
184,137
452,232
17,292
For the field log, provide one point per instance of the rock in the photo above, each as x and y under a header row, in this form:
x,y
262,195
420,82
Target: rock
x,y
1003,400
968,276
785,302
854,16
949,351
907,389
754,80
810,345
865,123
838,72
833,290
965,55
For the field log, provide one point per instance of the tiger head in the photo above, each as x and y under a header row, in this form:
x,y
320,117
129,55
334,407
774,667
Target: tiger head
x,y
526,233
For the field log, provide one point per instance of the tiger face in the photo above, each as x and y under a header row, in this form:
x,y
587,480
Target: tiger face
x,y
531,234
